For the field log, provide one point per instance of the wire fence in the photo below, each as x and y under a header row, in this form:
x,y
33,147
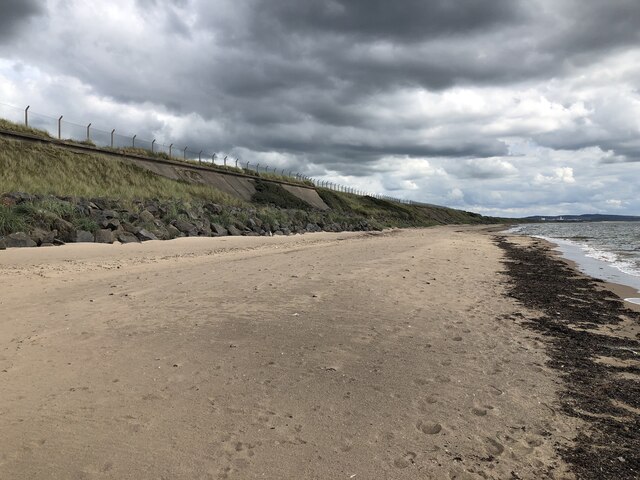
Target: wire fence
x,y
62,129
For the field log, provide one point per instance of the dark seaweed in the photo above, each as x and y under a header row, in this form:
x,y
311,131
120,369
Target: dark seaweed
x,y
575,308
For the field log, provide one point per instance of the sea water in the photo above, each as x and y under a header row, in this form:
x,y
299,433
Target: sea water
x,y
609,251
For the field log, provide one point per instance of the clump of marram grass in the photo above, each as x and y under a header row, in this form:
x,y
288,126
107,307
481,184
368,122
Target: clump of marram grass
x,y
11,221
20,128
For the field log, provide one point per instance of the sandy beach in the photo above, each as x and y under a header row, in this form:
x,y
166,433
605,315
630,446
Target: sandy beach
x,y
396,355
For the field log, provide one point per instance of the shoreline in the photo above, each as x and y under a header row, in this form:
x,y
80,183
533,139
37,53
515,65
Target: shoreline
x,y
626,291
623,292
592,337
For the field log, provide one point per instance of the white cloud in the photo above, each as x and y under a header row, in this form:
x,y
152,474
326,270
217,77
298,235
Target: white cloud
x,y
559,175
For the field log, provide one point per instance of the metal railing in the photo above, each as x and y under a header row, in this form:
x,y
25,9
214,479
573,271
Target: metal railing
x,y
62,129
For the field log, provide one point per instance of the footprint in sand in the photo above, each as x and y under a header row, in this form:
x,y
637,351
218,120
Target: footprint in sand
x,y
480,412
428,428
494,447
405,460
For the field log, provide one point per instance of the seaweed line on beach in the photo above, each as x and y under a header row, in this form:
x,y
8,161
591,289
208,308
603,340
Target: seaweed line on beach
x,y
600,370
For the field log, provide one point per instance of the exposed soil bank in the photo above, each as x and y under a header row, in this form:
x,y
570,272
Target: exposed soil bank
x,y
592,339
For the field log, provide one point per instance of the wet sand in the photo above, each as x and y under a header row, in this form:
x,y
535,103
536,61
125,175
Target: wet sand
x,y
396,355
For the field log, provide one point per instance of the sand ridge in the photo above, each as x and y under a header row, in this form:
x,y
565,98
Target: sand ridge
x,y
394,355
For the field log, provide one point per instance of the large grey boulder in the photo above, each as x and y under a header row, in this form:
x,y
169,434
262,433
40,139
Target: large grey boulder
x,y
3,243
42,236
219,230
147,217
126,237
173,232
19,240
104,236
160,232
144,235
213,208
234,231
66,230
128,227
82,236
111,224
185,227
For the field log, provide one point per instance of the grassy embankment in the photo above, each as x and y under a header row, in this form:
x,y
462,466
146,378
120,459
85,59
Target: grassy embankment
x,y
19,128
43,169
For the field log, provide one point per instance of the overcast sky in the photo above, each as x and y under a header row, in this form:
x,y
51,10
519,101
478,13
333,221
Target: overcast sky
x,y
502,107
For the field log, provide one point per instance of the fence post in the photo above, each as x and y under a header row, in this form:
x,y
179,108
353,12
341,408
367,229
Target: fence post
x,y
200,157
213,158
170,147
257,168
26,116
60,127
236,163
152,144
225,160
88,136
112,132
184,154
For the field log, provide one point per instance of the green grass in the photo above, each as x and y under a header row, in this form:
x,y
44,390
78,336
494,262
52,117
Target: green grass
x,y
10,221
47,169
19,128
390,214
53,170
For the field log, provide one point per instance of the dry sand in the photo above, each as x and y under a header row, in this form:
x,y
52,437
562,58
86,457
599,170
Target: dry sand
x,y
323,356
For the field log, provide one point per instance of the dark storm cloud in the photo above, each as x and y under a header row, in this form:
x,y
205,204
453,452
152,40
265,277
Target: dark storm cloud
x,y
342,85
594,26
401,20
14,14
